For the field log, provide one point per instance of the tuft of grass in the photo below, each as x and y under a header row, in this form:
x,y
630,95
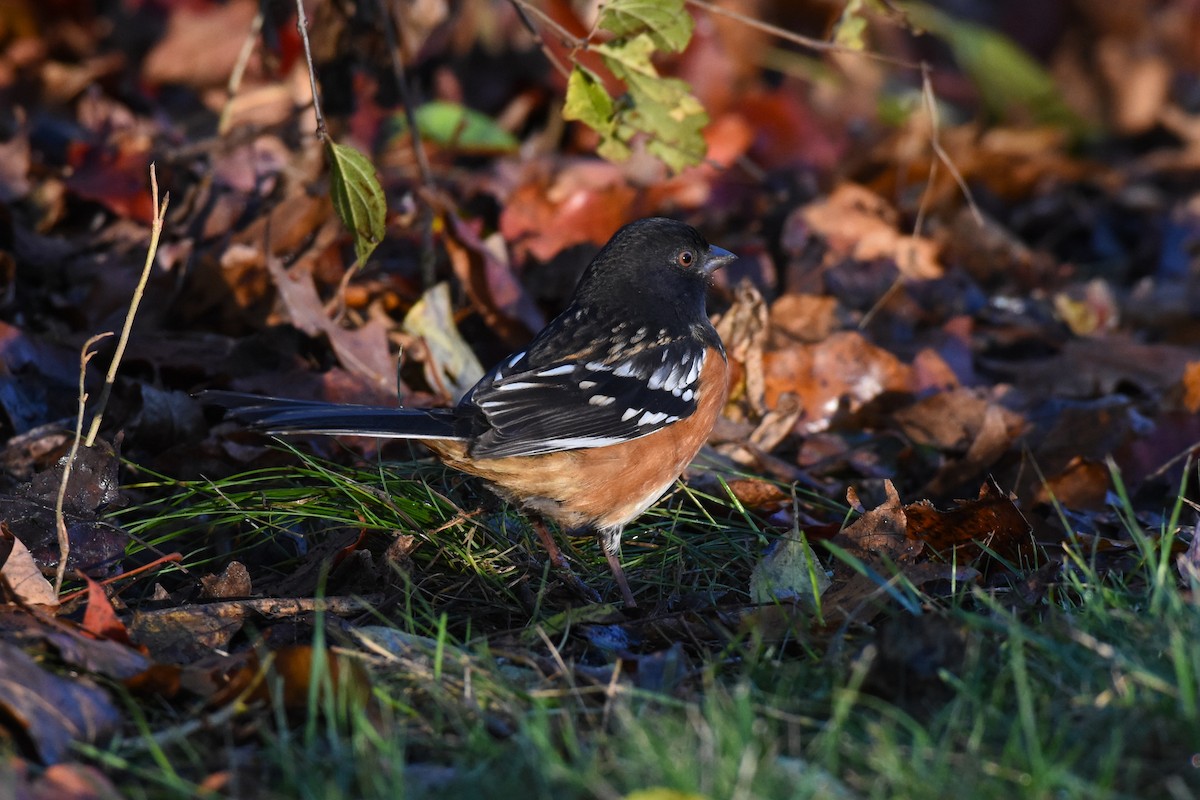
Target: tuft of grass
x,y
1089,690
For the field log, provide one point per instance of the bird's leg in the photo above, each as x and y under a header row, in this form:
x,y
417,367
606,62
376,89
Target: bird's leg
x,y
559,562
610,540
614,564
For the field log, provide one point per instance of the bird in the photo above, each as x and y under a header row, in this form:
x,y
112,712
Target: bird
x,y
595,419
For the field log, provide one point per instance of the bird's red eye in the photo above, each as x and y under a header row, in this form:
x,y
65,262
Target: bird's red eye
x,y
686,258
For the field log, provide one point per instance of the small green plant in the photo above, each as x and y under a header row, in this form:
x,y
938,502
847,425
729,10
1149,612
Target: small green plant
x,y
662,109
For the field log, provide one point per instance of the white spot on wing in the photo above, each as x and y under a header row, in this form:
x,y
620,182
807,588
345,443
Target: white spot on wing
x,y
585,385
581,442
563,369
625,370
601,400
651,418
508,387
630,413
598,366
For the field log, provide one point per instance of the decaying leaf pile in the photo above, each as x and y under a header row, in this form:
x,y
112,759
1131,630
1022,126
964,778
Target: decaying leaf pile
x,y
962,331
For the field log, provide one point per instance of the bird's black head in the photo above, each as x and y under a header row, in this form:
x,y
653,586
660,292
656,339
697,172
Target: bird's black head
x,y
652,261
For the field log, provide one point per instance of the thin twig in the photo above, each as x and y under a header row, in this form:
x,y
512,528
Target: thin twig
x,y
60,520
936,143
523,13
302,27
804,41
155,231
156,563
425,214
239,71
565,36
929,100
390,23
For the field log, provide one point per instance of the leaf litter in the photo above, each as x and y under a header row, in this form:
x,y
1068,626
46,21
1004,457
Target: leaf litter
x,y
881,340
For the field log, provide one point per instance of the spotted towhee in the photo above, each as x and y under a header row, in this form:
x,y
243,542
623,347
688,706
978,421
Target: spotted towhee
x,y
597,417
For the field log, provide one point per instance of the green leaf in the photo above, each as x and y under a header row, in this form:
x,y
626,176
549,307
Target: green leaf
x,y
629,56
662,108
790,572
852,26
587,101
357,197
666,22
453,125
1010,82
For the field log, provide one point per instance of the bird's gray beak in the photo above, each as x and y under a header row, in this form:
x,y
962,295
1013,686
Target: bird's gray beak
x,y
716,257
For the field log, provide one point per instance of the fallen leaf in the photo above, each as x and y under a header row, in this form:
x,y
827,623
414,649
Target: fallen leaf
x,y
100,618
363,350
881,530
67,781
838,375
744,330
1082,485
201,44
21,574
290,672
802,318
489,282
234,581
1190,383
584,203
46,713
990,522
452,364
855,223
115,178
789,571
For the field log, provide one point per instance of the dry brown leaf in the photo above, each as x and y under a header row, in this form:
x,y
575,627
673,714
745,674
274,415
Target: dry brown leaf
x,y
840,374
1190,382
364,350
583,204
953,421
991,521
50,712
1098,366
858,224
1139,83
744,329
291,675
802,318
881,530
67,781
201,44
100,618
994,437
233,581
489,281
1083,486
21,574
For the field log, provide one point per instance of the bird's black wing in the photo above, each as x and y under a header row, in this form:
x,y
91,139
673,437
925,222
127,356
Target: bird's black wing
x,y
585,402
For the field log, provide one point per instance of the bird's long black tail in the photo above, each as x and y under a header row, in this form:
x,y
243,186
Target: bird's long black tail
x,y
281,415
